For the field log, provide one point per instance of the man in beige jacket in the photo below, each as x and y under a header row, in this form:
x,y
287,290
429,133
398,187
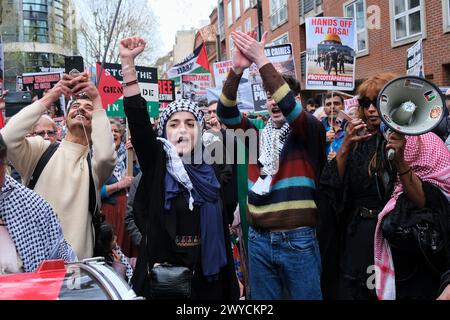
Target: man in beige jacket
x,y
64,181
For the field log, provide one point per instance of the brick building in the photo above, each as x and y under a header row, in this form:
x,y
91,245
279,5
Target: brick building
x,y
385,30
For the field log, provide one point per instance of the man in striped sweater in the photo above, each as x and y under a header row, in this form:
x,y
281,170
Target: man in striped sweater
x,y
283,249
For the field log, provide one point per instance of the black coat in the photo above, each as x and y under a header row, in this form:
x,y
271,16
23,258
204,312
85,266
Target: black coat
x,y
148,206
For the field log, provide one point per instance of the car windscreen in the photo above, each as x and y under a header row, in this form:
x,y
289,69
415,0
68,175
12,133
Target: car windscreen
x,y
81,285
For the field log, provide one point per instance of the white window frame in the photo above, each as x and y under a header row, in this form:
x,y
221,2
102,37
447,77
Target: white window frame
x,y
365,51
246,4
248,22
230,12
231,48
277,40
281,4
237,9
446,15
409,38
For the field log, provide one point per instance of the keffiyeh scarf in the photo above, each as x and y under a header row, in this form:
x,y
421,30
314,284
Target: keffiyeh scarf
x,y
271,144
429,159
33,226
119,169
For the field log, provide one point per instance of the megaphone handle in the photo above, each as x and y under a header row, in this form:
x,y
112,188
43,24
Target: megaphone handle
x,y
390,154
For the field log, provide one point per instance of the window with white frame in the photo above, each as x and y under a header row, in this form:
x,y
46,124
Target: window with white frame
x,y
283,39
446,14
248,25
278,13
407,18
237,8
229,13
246,4
357,11
231,45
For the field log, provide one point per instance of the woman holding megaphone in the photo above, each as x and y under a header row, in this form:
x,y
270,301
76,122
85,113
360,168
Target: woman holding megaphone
x,y
354,188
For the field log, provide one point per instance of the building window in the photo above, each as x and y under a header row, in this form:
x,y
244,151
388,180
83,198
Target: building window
x,y
248,25
357,11
283,39
231,48
237,8
446,14
246,4
229,13
278,13
407,18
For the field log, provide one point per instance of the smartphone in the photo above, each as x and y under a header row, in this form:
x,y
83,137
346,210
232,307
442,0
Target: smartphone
x,y
344,118
73,65
16,101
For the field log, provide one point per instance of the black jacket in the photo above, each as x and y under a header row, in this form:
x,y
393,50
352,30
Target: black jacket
x,y
148,206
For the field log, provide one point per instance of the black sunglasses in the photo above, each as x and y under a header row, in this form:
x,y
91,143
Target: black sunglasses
x,y
366,102
447,97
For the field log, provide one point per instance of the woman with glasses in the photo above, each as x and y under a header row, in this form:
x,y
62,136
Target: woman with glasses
x,y
354,188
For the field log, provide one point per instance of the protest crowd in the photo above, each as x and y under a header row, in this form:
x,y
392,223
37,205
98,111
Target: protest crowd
x,y
302,202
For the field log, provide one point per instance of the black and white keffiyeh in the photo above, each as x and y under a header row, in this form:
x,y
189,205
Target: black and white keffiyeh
x,y
179,106
271,143
126,263
121,164
32,225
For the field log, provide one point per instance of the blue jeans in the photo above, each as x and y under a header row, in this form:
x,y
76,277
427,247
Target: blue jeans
x,y
284,262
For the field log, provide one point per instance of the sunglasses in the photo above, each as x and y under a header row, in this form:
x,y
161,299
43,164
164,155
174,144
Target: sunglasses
x,y
43,133
447,97
366,102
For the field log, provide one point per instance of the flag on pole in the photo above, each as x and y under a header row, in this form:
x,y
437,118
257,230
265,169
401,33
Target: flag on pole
x,y
199,58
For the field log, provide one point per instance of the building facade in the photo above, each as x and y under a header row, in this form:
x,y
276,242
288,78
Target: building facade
x,y
385,30
36,34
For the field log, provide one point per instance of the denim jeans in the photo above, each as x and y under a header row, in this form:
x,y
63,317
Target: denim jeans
x,y
283,263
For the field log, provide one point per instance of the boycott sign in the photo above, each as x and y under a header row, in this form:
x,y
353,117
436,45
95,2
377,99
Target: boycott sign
x,y
330,53
166,89
195,86
111,90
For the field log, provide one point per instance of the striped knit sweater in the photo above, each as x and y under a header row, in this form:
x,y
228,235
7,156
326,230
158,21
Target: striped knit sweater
x,y
290,202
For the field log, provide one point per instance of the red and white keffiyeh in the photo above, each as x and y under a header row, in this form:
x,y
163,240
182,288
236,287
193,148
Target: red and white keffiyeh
x,y
429,159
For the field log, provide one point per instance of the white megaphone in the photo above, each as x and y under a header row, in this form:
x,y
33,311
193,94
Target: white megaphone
x,y
410,106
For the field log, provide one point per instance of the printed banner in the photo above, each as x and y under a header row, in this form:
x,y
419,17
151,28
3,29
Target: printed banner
x,y
414,60
166,90
195,86
282,58
330,53
111,90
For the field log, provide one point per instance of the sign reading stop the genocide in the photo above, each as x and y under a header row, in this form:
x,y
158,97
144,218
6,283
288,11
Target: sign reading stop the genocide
x,y
111,89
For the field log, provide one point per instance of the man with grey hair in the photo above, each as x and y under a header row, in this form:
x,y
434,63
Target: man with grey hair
x,y
46,128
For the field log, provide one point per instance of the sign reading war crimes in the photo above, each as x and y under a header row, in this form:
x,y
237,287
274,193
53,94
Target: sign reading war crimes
x,y
330,53
414,60
195,86
282,58
111,89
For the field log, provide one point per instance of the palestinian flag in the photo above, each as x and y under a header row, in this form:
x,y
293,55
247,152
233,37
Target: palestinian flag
x,y
430,95
197,59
